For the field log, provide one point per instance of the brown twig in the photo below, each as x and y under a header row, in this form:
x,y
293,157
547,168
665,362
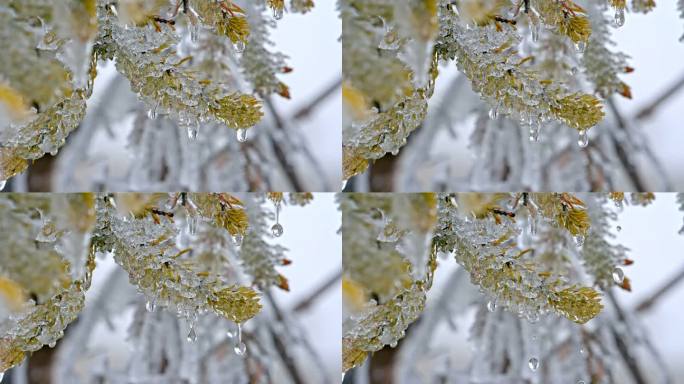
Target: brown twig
x,y
318,99
288,168
622,155
670,91
320,290
660,292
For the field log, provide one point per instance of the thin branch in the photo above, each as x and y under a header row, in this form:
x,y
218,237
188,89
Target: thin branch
x,y
650,108
660,292
628,358
282,349
318,99
278,150
319,291
629,167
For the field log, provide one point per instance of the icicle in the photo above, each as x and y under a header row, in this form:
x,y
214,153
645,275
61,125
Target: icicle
x,y
581,46
2,374
150,305
583,140
192,130
238,239
2,184
533,364
278,13
618,275
494,113
344,184
239,46
194,32
192,225
192,335
534,28
240,348
241,135
619,17
534,131
491,306
152,113
277,229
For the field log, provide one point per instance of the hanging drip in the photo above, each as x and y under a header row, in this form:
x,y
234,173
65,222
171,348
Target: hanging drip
x,y
240,348
277,228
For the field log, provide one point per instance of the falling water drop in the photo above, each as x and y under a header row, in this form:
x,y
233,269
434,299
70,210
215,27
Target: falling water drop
x,y
491,306
618,275
192,335
278,13
192,131
533,364
494,113
239,46
150,306
583,140
2,184
619,17
619,228
241,135
277,230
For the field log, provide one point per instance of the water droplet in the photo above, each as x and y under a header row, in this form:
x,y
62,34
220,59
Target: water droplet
x,y
194,32
278,13
619,17
238,239
192,131
533,364
52,344
2,184
491,306
582,351
241,135
581,46
152,113
580,382
277,230
230,334
239,46
494,113
579,240
240,349
583,140
618,275
619,228
150,306
192,335
453,201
